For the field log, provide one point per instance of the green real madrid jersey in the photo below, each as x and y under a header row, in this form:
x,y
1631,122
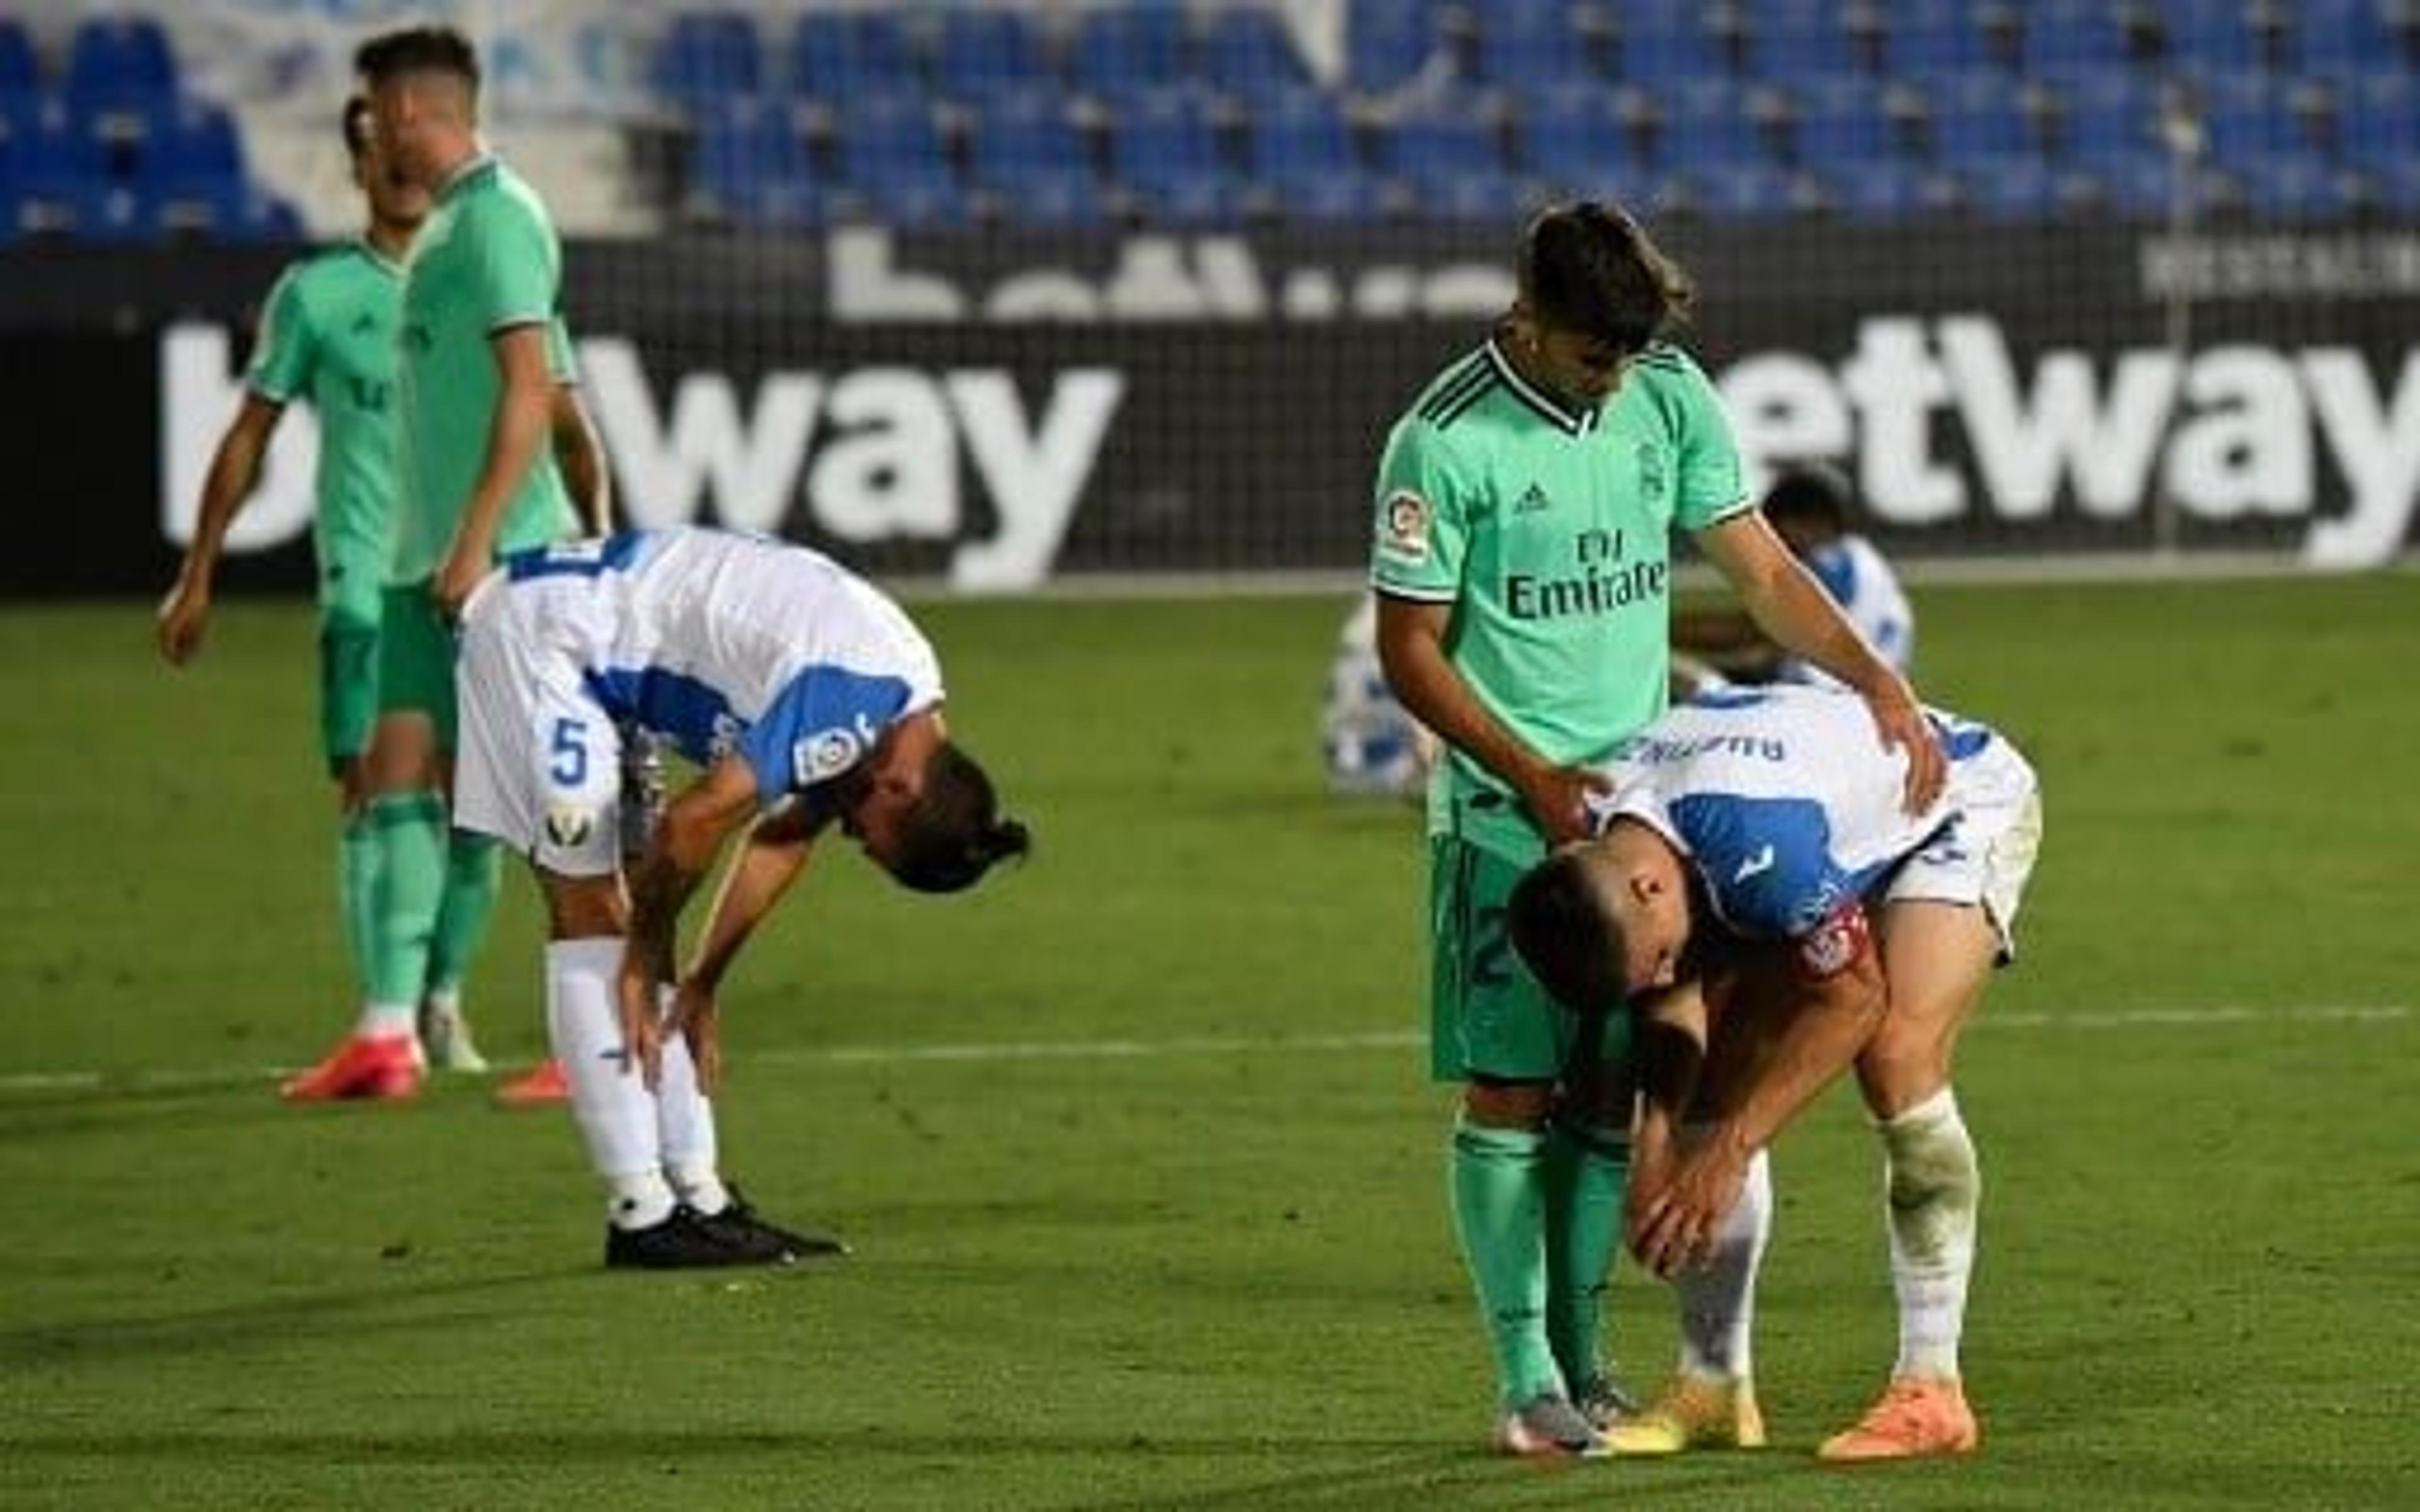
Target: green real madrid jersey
x,y
327,337
1549,531
485,261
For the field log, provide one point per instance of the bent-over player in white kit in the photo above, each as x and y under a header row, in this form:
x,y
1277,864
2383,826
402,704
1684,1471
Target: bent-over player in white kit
x,y
1763,903
807,698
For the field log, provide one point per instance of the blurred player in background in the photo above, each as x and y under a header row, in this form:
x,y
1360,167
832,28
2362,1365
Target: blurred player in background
x,y
328,337
1812,508
1522,559
1368,744
809,699
484,409
1759,888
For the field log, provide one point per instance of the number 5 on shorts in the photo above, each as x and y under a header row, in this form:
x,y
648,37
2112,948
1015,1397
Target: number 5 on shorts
x,y
569,749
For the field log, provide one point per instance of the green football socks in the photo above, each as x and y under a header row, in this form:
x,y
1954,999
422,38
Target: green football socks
x,y
357,858
473,870
1498,1211
409,829
1585,1174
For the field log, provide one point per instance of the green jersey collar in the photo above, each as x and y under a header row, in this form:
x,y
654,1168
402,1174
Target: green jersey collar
x,y
378,260
1562,418
478,165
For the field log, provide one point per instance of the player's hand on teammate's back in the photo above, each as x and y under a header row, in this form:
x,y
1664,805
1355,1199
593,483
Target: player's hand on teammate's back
x,y
1558,799
642,1022
695,1017
1903,727
184,614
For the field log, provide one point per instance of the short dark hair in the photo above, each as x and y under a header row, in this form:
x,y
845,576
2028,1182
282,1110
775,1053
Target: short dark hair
x,y
1813,491
1585,266
1570,942
955,832
418,50
355,124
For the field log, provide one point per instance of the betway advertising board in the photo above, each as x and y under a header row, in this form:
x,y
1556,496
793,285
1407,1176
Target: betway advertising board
x,y
997,414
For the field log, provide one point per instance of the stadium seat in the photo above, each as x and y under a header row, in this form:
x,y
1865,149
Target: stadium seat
x,y
983,51
707,57
1662,44
2378,119
1531,46
2295,188
190,141
2342,38
119,63
1164,151
1123,50
1832,121
1430,151
2392,188
2108,115
891,156
1927,39
2245,115
1976,116
1883,191
2065,36
837,57
1705,124
1753,192
1026,154
1389,43
1300,150
749,156
2216,36
2014,186
1796,39
1248,57
1575,138
20,67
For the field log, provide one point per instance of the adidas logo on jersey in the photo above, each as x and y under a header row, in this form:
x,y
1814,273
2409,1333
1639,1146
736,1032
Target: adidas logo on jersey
x,y
1532,499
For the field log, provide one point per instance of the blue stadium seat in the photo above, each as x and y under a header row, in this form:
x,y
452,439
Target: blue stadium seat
x,y
190,141
1707,123
839,57
1660,43
1389,42
2245,114
2216,36
1575,138
2066,37
1025,152
1300,148
1532,46
1797,39
1430,149
2295,188
20,67
1835,120
2378,119
2108,115
2393,186
119,63
88,209
983,51
890,155
2143,187
1164,150
2016,186
2341,39
1123,50
1753,192
1886,190
1247,56
1446,198
750,159
709,56
1925,38
1976,116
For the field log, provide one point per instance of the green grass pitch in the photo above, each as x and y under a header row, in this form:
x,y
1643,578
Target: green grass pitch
x,y
1135,1146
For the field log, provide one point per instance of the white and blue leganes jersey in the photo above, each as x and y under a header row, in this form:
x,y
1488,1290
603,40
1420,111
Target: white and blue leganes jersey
x,y
730,643
1784,801
1870,594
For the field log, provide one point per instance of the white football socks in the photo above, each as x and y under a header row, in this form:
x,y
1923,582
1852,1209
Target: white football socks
x,y
610,1101
1932,1189
1718,1302
685,1126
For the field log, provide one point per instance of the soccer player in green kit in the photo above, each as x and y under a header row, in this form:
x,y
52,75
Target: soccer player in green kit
x,y
328,337
1522,558
483,409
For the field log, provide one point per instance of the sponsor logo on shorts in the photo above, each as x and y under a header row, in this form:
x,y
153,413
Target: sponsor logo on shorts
x,y
569,825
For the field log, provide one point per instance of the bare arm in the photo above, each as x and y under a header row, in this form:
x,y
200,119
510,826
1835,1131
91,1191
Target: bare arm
x,y
772,857
695,823
523,420
1411,649
581,457
1789,605
235,471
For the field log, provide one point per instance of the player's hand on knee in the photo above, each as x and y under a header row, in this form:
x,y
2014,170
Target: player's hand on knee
x,y
697,1019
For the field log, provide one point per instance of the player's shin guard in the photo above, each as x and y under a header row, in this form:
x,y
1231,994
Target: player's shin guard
x,y
1933,1191
615,1112
409,829
1584,1175
1499,1217
473,877
1718,1300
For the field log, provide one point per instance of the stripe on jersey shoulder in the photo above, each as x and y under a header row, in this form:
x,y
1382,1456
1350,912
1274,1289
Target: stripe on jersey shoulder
x,y
1463,405
1458,383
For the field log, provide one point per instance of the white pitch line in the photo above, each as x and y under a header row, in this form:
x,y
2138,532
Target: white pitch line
x,y
1006,1050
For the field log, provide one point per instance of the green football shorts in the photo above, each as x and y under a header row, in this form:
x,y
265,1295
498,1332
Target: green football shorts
x,y
1488,1016
415,663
